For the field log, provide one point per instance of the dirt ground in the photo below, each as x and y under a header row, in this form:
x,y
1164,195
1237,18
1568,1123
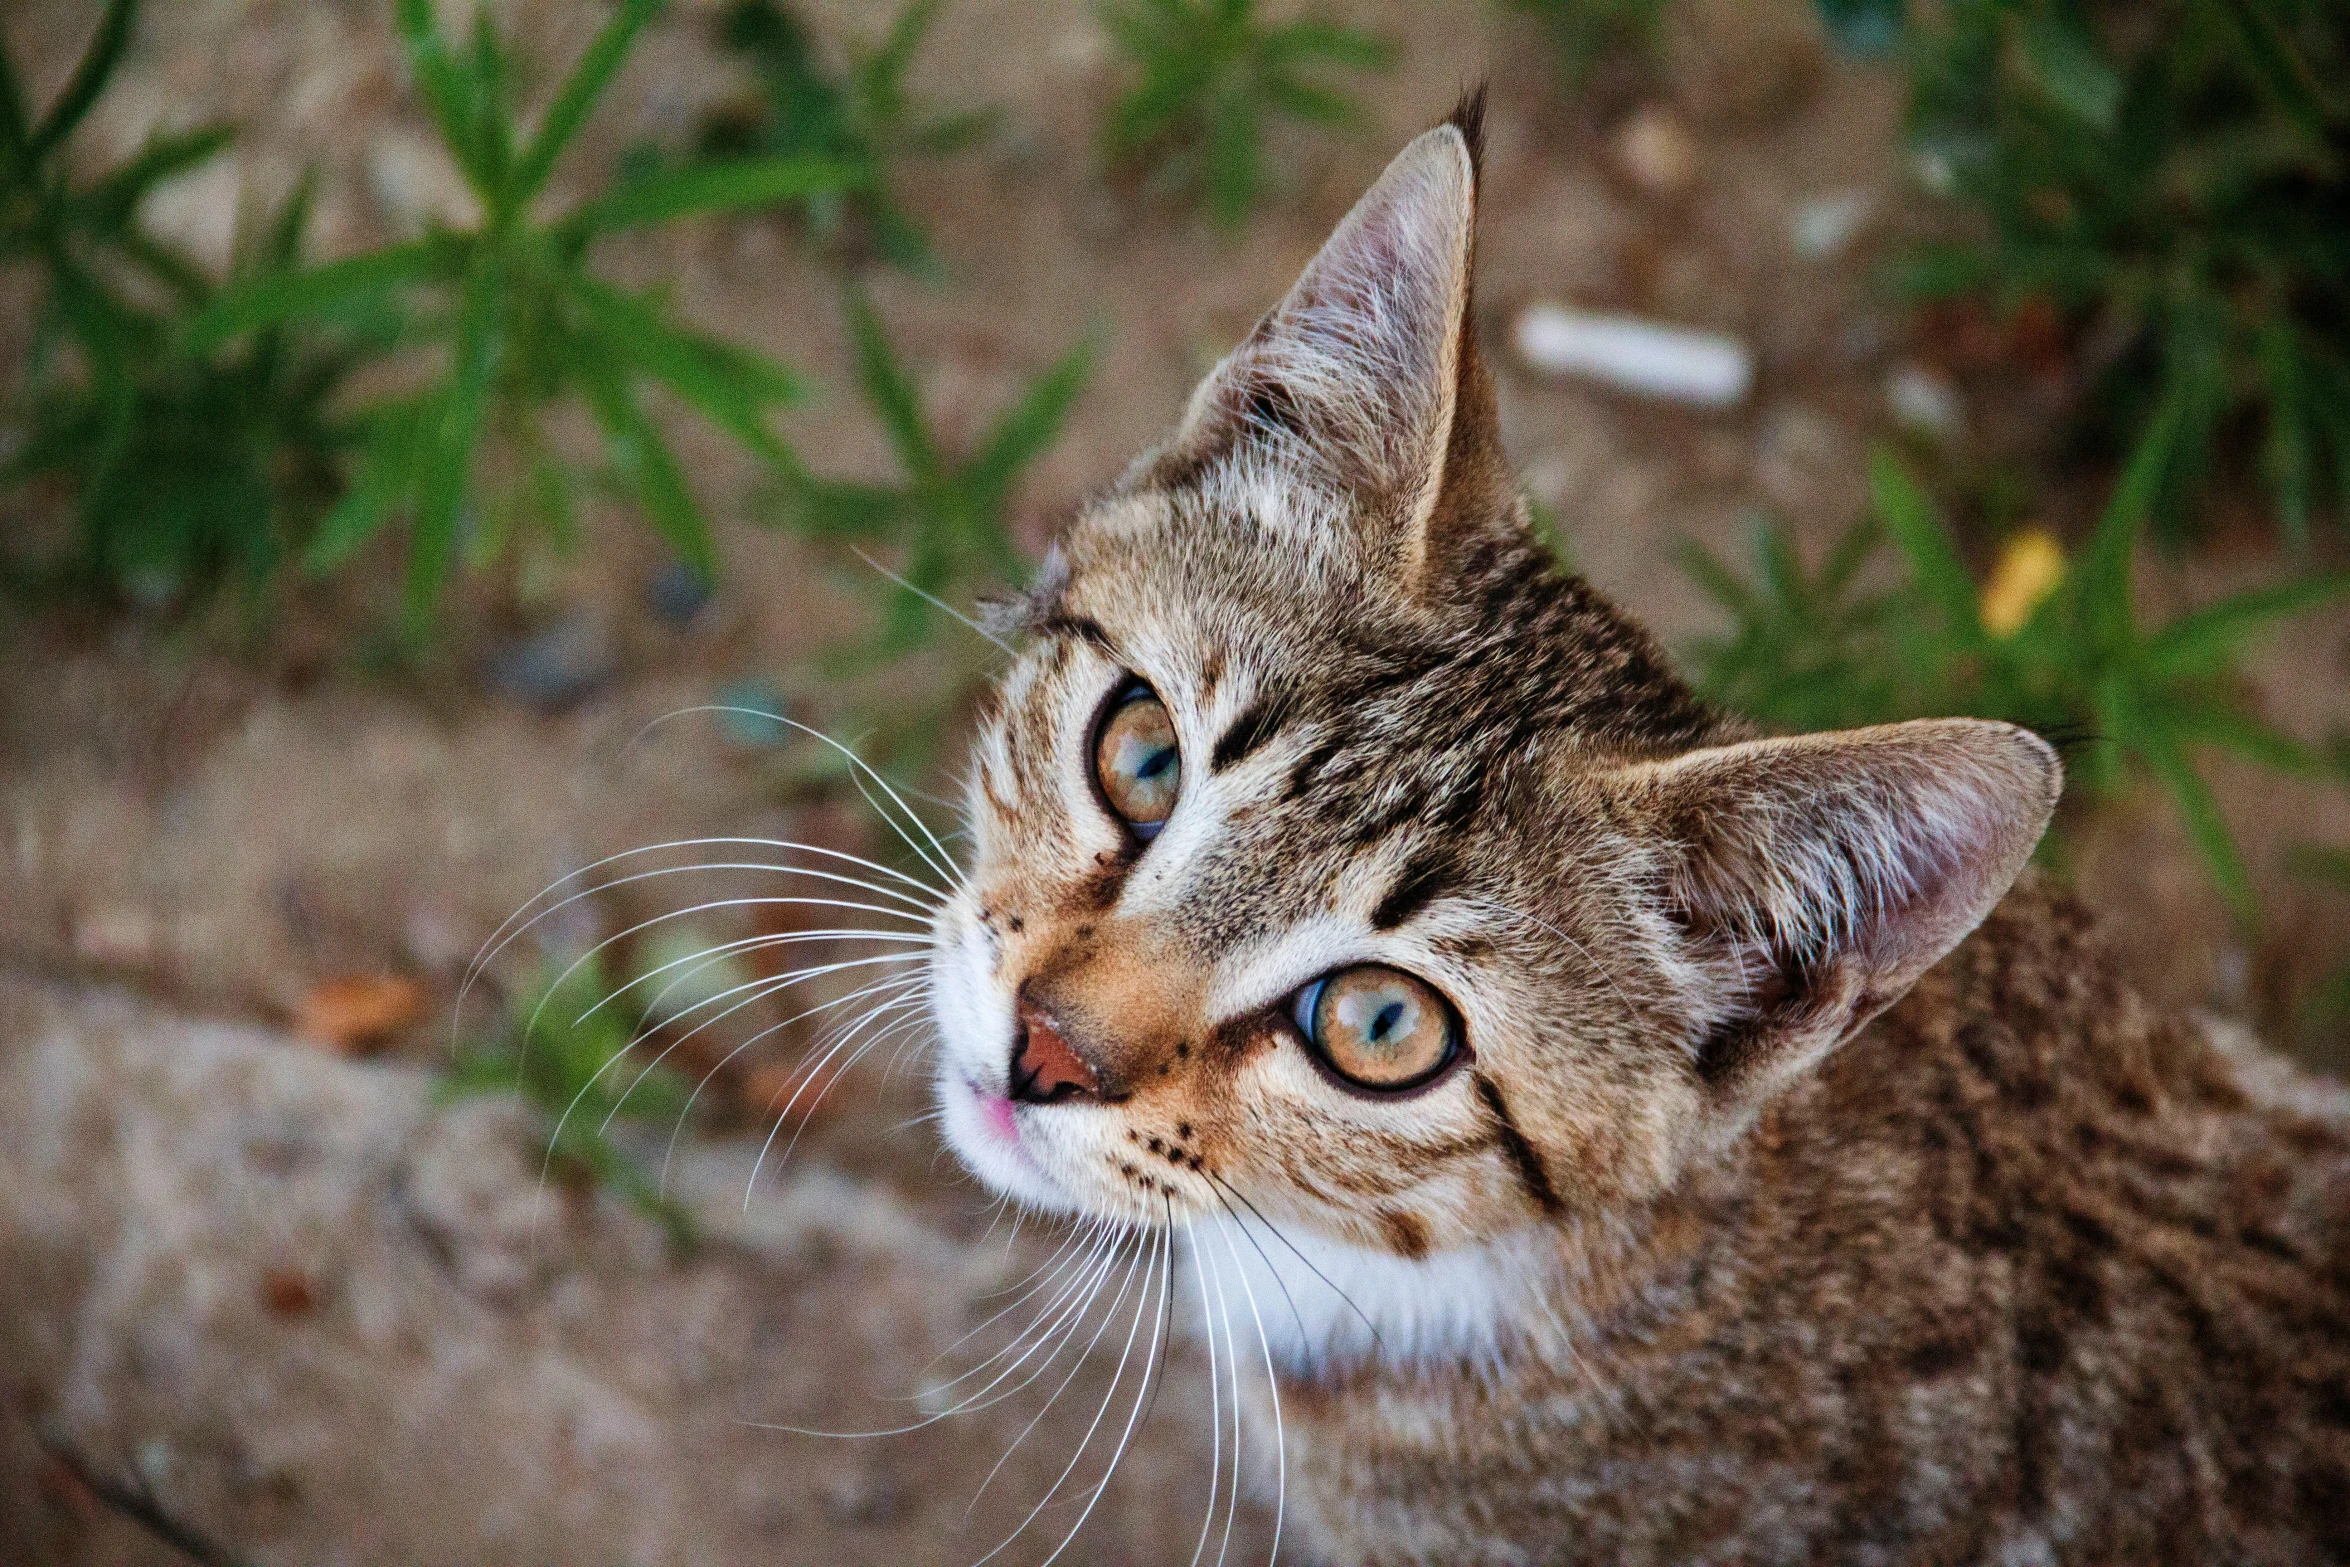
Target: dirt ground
x,y
199,827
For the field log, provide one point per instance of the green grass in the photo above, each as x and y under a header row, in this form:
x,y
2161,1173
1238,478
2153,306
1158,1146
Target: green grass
x,y
947,520
2171,180
1587,31
863,119
2132,701
183,469
571,1049
521,324
1208,76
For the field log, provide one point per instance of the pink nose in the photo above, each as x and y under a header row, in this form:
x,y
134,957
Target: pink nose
x,y
1046,1068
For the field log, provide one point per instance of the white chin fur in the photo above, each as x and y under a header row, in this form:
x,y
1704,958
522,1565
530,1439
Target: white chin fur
x,y
1327,1305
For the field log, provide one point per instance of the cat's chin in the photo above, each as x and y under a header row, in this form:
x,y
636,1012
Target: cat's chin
x,y
983,1130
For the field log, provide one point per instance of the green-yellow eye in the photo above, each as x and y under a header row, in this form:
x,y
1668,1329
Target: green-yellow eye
x,y
1136,759
1378,1027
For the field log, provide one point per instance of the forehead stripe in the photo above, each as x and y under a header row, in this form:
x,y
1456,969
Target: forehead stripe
x,y
1083,628
1258,722
1423,880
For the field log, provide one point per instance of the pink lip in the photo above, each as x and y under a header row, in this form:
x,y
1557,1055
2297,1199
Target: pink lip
x,y
996,1110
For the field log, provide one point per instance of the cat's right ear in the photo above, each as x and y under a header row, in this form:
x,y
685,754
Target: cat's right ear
x,y
1365,378
1807,883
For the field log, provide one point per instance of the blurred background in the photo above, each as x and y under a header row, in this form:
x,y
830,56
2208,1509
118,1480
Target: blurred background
x,y
444,448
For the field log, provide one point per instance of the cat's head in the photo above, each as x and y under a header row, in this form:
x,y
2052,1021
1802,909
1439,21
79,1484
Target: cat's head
x,y
1332,851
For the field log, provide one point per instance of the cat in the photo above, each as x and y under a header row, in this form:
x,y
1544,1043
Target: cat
x,y
1676,1144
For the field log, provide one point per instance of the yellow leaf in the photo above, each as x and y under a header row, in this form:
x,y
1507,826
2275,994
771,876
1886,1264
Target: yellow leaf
x,y
2029,568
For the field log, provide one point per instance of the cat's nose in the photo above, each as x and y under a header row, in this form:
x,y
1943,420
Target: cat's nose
x,y
1046,1068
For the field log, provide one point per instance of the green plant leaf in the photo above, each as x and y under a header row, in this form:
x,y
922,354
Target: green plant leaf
x,y
740,185
731,387
89,78
284,296
449,439
1031,426
578,95
1909,518
2070,69
110,202
449,95
2199,810
2102,576
889,391
2201,642
651,472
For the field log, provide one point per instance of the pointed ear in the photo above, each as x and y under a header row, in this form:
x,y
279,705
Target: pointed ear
x,y
1810,881
1366,376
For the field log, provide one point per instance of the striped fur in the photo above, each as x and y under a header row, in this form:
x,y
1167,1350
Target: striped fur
x,y
1668,1267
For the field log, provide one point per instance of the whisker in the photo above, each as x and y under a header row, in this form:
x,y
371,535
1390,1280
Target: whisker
x,y
1272,1386
1215,1401
1275,1230
1158,1328
1158,1241
935,602
507,932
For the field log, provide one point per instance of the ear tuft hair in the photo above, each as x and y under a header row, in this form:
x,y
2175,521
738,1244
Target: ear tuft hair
x,y
1468,117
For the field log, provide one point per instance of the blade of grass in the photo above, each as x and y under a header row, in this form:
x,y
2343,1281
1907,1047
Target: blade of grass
x,y
1909,517
268,300
2200,642
89,77
740,185
578,96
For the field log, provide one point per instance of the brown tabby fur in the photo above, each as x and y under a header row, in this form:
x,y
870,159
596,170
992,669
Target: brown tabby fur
x,y
1769,1216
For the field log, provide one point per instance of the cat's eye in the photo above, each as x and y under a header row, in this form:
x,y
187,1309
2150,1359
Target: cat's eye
x,y
1137,762
1378,1027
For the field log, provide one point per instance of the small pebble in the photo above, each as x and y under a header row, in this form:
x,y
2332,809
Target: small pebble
x,y
1924,401
1655,152
677,593
750,714
554,669
1672,363
1821,229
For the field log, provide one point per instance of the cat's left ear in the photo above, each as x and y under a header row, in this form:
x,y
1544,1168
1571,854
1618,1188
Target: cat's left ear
x,y
1807,883
1366,376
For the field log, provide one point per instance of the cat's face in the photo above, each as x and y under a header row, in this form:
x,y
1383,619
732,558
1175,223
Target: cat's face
x,y
1334,856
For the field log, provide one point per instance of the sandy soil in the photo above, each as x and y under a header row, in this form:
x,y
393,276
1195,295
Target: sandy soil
x,y
216,825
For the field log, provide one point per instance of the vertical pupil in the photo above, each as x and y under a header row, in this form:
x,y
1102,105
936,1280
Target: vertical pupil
x,y
1155,763
1385,1022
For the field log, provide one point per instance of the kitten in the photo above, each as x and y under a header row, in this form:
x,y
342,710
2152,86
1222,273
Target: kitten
x,y
1712,1151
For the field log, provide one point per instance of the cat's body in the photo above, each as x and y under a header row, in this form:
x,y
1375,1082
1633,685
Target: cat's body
x,y
1344,874
2024,1274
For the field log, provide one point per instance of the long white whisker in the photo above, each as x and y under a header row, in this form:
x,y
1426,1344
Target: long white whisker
x,y
1166,1288
935,602
1215,1398
500,938
1272,1386
943,864
1141,1310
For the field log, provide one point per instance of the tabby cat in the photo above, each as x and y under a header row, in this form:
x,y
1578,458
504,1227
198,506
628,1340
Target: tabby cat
x,y
1712,1150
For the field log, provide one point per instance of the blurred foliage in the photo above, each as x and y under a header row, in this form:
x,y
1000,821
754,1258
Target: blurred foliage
x,y
190,468
2050,642
948,520
1587,31
862,120
183,468
524,325
1210,73
2325,1012
566,1050
2171,180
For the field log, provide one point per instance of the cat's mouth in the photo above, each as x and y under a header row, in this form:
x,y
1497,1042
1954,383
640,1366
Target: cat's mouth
x,y
985,1130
